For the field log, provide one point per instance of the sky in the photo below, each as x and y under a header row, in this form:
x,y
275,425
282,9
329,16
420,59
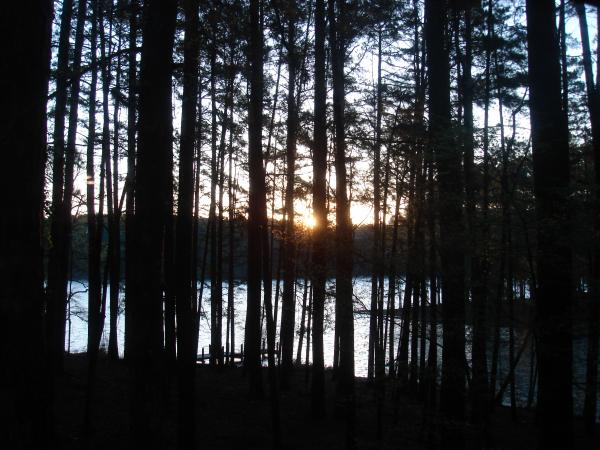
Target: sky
x,y
363,65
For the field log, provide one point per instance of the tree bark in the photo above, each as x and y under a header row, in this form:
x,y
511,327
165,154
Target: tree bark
x,y
184,298
551,186
26,378
130,180
288,302
151,199
374,345
256,202
448,162
215,288
56,290
319,254
591,391
478,286
115,219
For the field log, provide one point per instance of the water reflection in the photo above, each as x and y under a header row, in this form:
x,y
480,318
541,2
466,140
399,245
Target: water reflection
x,y
76,339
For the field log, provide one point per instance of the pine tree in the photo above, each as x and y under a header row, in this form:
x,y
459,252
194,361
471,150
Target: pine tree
x,y
551,177
25,380
151,187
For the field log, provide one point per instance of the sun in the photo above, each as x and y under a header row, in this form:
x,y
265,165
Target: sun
x,y
310,221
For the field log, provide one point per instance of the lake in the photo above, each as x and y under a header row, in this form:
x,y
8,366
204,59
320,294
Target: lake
x,y
76,338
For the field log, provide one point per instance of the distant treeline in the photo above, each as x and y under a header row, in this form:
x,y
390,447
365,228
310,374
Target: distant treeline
x,y
363,237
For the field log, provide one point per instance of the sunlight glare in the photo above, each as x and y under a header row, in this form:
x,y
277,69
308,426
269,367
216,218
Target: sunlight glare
x,y
310,221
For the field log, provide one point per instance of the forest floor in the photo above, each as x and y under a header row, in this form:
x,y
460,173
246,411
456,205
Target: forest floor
x,y
228,418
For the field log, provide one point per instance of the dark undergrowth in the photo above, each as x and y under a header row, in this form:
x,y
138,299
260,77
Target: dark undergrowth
x,y
229,418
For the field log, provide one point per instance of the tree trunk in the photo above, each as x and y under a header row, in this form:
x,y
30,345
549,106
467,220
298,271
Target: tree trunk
x,y
479,387
215,291
302,324
392,283
56,290
231,265
130,181
343,241
591,391
195,231
152,179
184,298
288,306
551,186
448,161
168,277
256,203
374,345
26,378
319,251
403,348
115,220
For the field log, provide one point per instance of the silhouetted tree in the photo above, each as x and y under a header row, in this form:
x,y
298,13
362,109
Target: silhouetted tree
x,y
550,147
151,188
185,300
448,165
56,290
289,240
319,210
25,379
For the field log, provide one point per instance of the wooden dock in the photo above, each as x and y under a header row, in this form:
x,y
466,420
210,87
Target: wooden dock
x,y
235,357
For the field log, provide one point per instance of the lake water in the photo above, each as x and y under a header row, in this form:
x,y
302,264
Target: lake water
x,y
76,339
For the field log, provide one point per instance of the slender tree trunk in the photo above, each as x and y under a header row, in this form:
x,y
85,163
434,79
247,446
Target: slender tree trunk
x,y
56,291
232,182
221,176
115,220
403,348
168,277
256,202
448,162
373,316
215,293
71,150
184,298
562,31
591,392
96,316
402,370
73,125
433,287
308,335
302,323
551,186
196,219
506,274
130,181
414,335
479,387
319,255
392,282
344,262
343,222
231,266
258,243
202,284
94,290
289,240
105,169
